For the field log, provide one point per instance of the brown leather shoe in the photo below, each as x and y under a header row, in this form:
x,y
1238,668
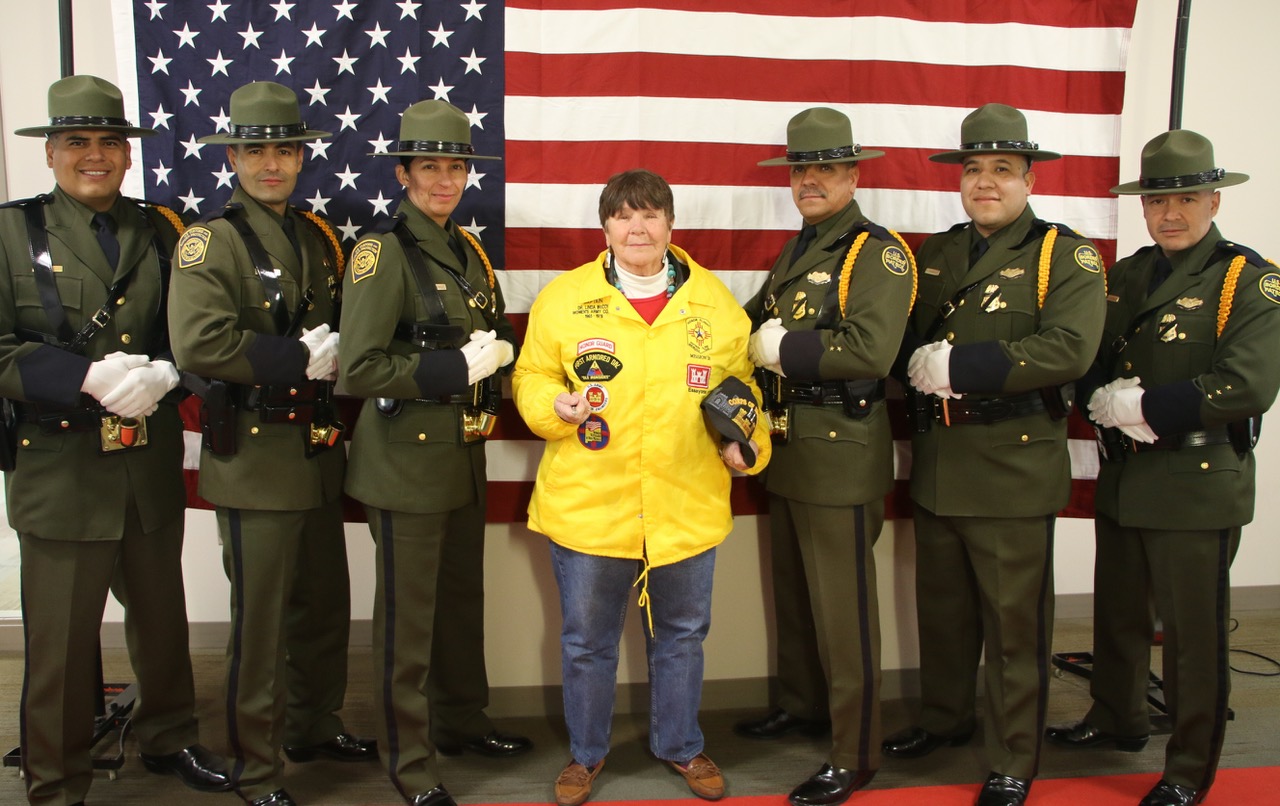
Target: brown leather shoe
x,y
573,786
703,777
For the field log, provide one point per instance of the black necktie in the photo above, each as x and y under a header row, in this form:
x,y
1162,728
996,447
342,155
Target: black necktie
x,y
807,233
978,249
105,226
291,231
455,243
1158,275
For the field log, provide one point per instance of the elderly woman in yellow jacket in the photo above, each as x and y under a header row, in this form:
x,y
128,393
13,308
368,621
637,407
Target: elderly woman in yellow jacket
x,y
634,483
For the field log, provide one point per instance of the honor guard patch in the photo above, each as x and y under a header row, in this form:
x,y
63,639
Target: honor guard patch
x,y
587,345
594,433
1270,286
1088,258
698,376
192,247
819,277
1012,274
596,366
699,333
1189,303
895,260
364,259
597,397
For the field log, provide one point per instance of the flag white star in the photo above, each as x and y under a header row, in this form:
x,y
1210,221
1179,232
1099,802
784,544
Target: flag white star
x,y
251,37
282,10
346,63
191,94
408,62
219,65
219,10
440,90
187,36
379,92
282,63
223,176
377,36
317,93
319,149
381,205
154,8
380,145
191,148
473,10
475,116
347,178
221,121
160,118
348,119
313,36
344,10
474,228
162,174
473,177
441,36
319,204
191,202
349,231
159,64
408,8
472,62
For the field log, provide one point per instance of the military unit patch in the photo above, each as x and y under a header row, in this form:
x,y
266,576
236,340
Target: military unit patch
x,y
192,247
587,345
895,260
596,366
1270,286
1088,258
597,397
594,433
698,376
699,333
364,259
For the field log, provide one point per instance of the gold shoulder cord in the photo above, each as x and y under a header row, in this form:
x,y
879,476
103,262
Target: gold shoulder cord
x,y
331,235
1046,258
846,271
1228,294
488,267
171,216
914,276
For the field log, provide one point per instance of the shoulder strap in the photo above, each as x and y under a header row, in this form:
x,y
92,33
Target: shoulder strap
x,y
42,266
270,276
436,316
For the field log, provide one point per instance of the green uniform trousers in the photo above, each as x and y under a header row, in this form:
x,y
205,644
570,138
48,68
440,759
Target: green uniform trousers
x,y
290,622
64,588
1188,573
826,555
986,581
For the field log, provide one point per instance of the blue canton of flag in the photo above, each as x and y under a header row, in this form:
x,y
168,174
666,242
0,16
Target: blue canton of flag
x,y
355,68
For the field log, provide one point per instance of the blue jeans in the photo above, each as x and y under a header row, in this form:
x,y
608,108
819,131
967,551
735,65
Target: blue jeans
x,y
593,602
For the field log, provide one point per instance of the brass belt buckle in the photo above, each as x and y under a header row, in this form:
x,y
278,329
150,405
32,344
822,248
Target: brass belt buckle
x,y
477,424
122,433
325,436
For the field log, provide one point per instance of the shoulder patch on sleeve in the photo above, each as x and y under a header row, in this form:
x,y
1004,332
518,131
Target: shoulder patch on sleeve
x,y
1269,285
192,247
895,260
1088,258
364,259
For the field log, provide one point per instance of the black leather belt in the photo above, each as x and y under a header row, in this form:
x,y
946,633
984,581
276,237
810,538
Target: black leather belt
x,y
958,411
54,420
286,403
826,393
1173,442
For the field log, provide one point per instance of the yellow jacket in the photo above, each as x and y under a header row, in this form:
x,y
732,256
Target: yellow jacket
x,y
642,478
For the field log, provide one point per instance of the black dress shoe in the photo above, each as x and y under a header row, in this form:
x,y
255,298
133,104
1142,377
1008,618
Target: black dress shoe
x,y
1167,794
343,747
435,796
778,723
278,798
1004,790
198,767
916,742
1082,734
829,786
495,745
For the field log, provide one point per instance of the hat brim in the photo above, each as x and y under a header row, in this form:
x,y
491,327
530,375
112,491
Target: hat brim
x,y
958,157
44,131
864,154
443,154
1136,188
224,139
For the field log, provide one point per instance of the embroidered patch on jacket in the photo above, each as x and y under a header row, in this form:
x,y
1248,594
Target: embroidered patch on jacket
x,y
593,433
587,345
596,366
698,376
1088,258
895,260
192,247
364,259
1270,286
699,332
593,309
597,397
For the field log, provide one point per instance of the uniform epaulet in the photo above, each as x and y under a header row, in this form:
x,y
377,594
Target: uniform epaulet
x,y
870,227
221,212
1062,229
152,211
387,225
43,198
1251,257
958,227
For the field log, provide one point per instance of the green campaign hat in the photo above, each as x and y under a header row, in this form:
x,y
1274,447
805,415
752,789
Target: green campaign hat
x,y
85,102
821,134
434,129
1179,161
264,112
995,129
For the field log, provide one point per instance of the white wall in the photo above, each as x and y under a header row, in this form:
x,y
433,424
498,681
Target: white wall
x,y
1229,98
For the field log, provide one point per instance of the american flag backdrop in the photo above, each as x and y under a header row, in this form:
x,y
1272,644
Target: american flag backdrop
x,y
569,92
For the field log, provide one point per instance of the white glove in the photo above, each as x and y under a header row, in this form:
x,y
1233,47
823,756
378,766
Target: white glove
x,y
483,355
1118,403
929,369
506,351
322,352
764,345
571,407
139,393
1140,433
105,375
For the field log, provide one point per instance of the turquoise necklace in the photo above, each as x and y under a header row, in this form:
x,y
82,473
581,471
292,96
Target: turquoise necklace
x,y
611,273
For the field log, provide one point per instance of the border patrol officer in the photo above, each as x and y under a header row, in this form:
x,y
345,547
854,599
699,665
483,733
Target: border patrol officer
x,y
97,495
833,310
254,298
1186,369
1009,314
426,334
